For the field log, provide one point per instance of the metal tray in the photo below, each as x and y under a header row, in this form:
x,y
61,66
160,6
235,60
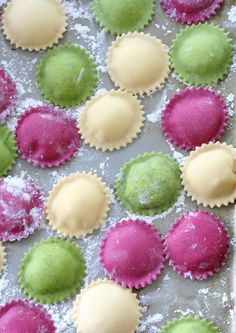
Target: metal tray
x,y
170,296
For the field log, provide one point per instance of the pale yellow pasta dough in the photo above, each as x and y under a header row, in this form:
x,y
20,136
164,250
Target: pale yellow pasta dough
x,y
138,63
2,257
34,24
111,121
209,174
77,205
106,307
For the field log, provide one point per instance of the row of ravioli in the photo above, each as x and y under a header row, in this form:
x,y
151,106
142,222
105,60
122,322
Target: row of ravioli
x,y
24,316
139,63
146,186
200,55
120,253
38,26
192,117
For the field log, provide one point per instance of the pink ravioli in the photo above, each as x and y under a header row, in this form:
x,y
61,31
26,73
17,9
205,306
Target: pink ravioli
x,y
47,137
21,316
132,253
194,116
21,208
190,11
197,245
7,95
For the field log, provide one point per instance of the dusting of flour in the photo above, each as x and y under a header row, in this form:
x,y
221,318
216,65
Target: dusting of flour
x,y
159,304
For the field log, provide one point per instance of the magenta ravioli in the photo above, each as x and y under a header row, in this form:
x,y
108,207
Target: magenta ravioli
x,y
194,116
22,316
21,208
197,245
47,137
190,11
7,95
132,253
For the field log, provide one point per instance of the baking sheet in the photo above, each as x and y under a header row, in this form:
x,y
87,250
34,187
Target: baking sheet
x,y
170,296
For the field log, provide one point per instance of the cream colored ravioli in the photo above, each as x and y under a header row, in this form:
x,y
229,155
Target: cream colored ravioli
x,y
77,205
111,120
209,174
34,24
138,63
114,309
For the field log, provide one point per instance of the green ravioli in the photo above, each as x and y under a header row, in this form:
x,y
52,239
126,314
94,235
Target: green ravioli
x,y
67,76
7,150
52,270
149,184
121,16
190,325
201,54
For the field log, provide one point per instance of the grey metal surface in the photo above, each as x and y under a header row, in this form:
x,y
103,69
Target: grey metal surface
x,y
170,296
